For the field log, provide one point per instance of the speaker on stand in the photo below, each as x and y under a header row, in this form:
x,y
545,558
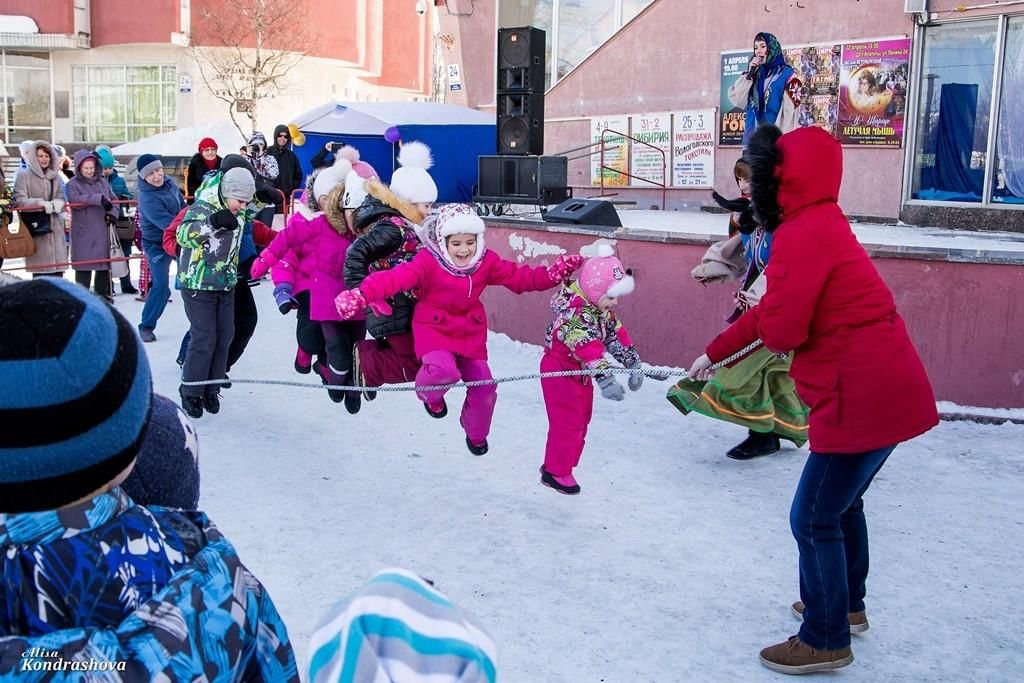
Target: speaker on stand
x,y
520,94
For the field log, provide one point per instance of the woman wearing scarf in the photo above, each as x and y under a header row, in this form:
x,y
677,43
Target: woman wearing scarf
x,y
769,90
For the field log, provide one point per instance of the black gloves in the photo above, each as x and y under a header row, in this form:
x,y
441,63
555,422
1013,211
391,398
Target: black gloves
x,y
107,206
224,219
267,196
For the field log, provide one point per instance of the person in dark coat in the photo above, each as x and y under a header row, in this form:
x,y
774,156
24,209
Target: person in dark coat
x,y
160,201
204,161
289,176
90,224
854,365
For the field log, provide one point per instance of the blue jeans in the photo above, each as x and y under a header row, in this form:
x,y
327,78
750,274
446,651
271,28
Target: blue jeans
x,y
156,297
827,519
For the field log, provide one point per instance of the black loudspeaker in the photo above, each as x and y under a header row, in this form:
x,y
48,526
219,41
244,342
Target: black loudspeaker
x,y
520,93
522,179
521,123
584,212
521,59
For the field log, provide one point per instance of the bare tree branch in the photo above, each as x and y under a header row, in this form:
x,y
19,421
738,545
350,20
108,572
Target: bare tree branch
x,y
245,50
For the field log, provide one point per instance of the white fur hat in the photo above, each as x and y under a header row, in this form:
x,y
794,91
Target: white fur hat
x,y
411,182
330,178
25,148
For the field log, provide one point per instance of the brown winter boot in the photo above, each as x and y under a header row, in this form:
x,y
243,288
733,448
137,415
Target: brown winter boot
x,y
797,657
858,620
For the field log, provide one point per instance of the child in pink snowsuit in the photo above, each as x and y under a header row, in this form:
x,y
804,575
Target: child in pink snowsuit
x,y
449,322
583,329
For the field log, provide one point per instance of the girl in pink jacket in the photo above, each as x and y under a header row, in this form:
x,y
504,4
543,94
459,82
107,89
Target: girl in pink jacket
x,y
584,328
315,242
449,321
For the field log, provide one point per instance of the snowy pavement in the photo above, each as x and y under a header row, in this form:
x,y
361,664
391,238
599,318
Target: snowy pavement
x,y
675,563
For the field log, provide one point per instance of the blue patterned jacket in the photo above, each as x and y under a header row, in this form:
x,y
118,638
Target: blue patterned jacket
x,y
132,593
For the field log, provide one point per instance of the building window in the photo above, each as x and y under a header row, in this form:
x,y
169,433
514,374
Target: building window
x,y
25,89
960,154
575,28
123,103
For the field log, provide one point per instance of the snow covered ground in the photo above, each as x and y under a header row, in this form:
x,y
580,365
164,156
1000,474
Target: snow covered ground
x,y
675,563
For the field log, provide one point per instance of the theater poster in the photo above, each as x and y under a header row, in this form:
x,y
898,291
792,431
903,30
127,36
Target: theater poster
x,y
731,121
616,151
873,92
693,148
648,162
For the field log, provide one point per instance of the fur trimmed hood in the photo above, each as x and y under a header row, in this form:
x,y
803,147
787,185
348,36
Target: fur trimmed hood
x,y
764,156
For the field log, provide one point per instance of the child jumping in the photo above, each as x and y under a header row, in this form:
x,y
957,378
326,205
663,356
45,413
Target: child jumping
x,y
584,328
449,321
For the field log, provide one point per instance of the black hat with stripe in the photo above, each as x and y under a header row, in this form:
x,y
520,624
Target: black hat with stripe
x,y
75,394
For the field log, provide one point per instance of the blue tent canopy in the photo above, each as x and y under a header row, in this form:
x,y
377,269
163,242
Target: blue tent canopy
x,y
456,136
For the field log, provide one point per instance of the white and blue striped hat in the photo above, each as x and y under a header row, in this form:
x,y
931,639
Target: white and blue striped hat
x,y
400,629
75,394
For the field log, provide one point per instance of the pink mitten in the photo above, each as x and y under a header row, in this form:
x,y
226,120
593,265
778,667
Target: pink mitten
x,y
259,268
564,266
381,308
349,303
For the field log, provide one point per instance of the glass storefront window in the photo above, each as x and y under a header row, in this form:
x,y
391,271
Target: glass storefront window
x,y
583,25
24,96
515,13
953,111
631,8
1008,179
123,103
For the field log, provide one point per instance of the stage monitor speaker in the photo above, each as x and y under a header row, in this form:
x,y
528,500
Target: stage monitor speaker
x,y
520,123
584,212
522,179
521,59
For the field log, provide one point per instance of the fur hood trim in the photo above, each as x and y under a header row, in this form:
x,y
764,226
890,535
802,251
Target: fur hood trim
x,y
765,159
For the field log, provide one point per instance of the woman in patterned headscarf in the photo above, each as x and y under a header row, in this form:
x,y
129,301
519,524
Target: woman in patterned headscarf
x,y
769,90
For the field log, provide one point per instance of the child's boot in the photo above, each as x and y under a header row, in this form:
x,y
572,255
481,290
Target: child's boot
x,y
327,378
476,449
437,410
357,373
353,402
563,484
192,405
303,361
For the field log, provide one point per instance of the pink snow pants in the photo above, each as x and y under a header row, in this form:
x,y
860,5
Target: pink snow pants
x,y
569,402
444,367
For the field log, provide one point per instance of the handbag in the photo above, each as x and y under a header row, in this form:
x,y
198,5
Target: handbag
x,y
125,225
37,222
118,268
15,241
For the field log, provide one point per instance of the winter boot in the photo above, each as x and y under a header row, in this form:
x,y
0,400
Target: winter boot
x,y
476,449
303,362
192,405
147,335
211,402
127,287
563,484
357,373
327,377
797,657
755,445
858,620
353,402
437,410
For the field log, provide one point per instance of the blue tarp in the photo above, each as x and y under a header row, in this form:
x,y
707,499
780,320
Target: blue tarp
x,y
456,136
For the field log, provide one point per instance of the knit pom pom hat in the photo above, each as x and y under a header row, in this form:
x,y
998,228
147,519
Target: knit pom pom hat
x,y
75,396
166,470
604,275
411,182
454,219
330,178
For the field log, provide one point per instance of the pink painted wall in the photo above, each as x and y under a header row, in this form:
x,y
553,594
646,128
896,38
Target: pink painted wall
x,y
972,352
51,16
668,58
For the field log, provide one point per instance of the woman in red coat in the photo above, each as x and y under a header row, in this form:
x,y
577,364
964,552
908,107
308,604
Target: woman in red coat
x,y
853,364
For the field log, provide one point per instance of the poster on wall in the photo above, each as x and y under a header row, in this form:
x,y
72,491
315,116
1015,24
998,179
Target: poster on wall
x,y
730,126
616,151
819,68
693,148
873,92
646,161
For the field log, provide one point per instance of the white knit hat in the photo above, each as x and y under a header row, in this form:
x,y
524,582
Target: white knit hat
x,y
330,178
355,191
411,182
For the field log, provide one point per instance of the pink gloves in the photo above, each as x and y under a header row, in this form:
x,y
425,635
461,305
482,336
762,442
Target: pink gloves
x,y
349,303
259,268
564,267
352,302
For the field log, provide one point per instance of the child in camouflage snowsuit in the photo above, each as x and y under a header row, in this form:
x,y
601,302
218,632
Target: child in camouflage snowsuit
x,y
210,236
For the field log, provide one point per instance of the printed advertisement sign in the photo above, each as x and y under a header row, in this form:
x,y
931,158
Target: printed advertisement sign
x,y
647,162
818,67
616,151
730,127
693,148
873,92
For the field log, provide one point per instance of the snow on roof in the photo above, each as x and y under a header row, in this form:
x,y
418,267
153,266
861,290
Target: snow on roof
x,y
184,141
373,118
13,23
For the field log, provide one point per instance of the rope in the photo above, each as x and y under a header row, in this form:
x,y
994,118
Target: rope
x,y
647,372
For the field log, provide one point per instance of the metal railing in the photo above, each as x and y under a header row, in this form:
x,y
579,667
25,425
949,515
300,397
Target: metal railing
x,y
602,145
